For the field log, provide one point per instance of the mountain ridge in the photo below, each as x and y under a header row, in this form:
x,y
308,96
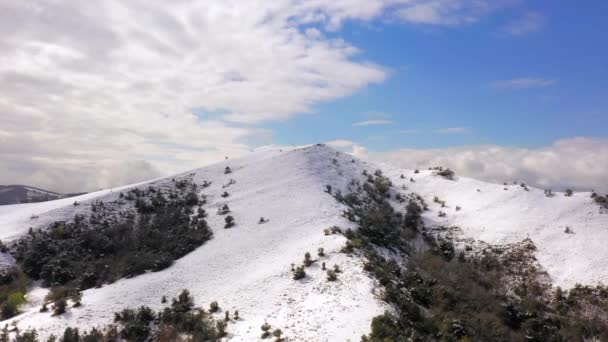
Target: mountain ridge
x,y
247,267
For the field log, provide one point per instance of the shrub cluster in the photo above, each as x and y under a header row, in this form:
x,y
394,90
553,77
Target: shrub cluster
x,y
179,321
440,297
85,253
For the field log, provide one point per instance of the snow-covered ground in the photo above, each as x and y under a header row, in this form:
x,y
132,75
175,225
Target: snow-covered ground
x,y
247,267
498,216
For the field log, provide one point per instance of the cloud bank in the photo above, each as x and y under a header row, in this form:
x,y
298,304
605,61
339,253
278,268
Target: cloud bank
x,y
578,163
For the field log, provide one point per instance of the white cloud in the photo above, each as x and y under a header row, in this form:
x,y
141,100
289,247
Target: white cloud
x,y
580,163
528,23
372,123
523,83
446,12
453,130
350,147
84,85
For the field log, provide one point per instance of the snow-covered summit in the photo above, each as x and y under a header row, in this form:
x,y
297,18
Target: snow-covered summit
x,y
247,267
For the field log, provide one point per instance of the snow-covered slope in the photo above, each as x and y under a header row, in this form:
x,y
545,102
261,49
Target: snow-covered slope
x,y
247,267
498,216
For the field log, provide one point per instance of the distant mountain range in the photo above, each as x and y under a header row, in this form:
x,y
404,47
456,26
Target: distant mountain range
x,y
15,194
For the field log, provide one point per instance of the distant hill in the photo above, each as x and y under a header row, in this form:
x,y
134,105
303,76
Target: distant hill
x,y
15,194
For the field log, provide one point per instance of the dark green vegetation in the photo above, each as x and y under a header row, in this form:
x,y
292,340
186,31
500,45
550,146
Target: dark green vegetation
x,y
108,244
602,201
445,295
179,320
13,286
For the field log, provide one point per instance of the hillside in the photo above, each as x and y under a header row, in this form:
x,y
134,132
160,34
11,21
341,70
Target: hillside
x,y
503,214
248,267
15,194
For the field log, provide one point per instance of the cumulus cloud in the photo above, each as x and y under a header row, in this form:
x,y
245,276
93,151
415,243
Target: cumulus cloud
x,y
104,83
372,123
91,86
528,23
579,163
349,147
523,83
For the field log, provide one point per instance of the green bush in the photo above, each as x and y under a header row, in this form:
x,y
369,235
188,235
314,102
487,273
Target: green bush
x,y
299,273
214,307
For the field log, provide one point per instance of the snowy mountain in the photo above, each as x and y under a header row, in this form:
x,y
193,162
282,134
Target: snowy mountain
x,y
249,266
15,194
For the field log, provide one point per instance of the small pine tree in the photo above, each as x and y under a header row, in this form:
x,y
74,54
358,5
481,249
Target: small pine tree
x,y
337,269
323,266
59,307
266,330
163,300
214,307
227,318
77,298
236,315
223,210
299,273
277,333
569,192
307,259
332,275
320,252
229,221
227,170
225,194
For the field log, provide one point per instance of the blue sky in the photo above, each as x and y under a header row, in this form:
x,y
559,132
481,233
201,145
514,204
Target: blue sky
x,y
445,77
